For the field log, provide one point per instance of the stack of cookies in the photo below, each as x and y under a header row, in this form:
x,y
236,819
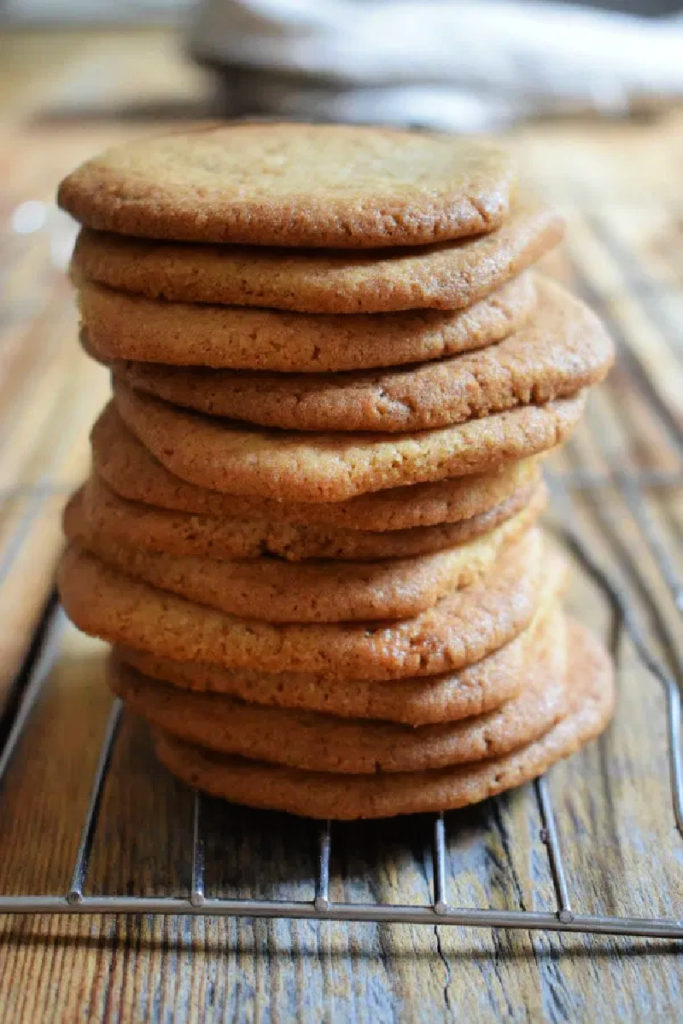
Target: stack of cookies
x,y
310,531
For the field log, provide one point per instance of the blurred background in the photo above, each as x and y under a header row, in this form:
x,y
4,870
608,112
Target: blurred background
x,y
440,63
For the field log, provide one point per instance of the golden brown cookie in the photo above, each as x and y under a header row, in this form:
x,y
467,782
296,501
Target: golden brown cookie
x,y
275,590
178,533
123,326
590,690
460,629
474,690
294,184
450,275
325,743
561,350
133,473
223,456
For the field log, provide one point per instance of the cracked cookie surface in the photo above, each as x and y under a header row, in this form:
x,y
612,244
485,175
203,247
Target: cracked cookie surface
x,y
133,473
323,742
448,697
450,275
461,628
275,590
119,325
563,349
591,697
330,467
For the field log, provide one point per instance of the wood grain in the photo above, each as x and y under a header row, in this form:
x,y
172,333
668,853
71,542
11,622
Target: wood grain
x,y
64,96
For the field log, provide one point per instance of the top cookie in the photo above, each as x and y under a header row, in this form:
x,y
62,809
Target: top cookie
x,y
293,185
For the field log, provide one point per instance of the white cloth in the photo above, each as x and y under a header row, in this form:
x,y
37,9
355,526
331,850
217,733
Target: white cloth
x,y
457,64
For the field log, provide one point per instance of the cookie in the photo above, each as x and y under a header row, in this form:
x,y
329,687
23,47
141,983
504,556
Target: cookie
x,y
133,473
451,275
563,349
590,693
334,467
136,525
475,690
322,742
460,629
123,326
294,185
274,590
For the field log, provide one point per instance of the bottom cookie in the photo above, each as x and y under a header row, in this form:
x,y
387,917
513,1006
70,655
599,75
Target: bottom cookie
x,y
346,797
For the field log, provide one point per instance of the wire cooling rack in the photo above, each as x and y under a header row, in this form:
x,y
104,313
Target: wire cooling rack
x,y
564,916
596,490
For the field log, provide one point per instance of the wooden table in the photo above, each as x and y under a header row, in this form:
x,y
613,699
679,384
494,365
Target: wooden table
x,y
63,96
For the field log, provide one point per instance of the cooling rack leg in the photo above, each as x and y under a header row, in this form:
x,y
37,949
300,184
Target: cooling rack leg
x,y
550,838
197,895
624,607
322,887
633,498
75,894
673,708
49,646
440,903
